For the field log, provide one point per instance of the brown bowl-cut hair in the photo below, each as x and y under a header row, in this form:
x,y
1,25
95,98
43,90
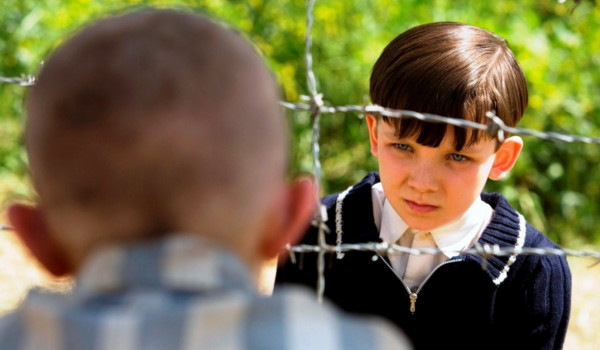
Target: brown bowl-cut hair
x,y
449,69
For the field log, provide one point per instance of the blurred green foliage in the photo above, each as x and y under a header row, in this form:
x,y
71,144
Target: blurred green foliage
x,y
555,185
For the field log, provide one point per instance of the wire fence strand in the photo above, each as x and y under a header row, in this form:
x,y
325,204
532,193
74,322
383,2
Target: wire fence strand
x,y
24,80
316,105
495,125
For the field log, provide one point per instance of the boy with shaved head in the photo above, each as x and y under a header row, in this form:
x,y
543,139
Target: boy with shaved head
x,y
158,150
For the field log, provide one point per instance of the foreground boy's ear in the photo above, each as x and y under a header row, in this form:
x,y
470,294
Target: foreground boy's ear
x,y
373,136
293,219
31,227
506,157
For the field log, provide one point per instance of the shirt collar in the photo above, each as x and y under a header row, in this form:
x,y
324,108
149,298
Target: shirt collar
x,y
392,227
450,238
459,235
179,261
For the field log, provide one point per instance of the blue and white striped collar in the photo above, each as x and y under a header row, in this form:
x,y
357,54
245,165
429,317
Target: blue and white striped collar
x,y
179,261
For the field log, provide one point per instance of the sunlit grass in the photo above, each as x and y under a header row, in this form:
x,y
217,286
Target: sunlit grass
x,y
585,314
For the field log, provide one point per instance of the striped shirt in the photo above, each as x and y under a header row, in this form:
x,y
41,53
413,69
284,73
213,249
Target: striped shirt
x,y
182,292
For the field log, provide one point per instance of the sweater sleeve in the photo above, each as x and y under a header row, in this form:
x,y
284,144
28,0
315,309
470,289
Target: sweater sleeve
x,y
540,317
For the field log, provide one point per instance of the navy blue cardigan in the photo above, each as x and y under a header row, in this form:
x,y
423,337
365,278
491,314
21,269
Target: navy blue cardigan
x,y
520,302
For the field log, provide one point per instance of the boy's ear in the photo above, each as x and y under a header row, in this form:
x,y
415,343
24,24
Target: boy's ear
x,y
506,157
30,226
373,136
293,217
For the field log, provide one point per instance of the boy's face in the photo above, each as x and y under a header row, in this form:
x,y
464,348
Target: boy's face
x,y
430,186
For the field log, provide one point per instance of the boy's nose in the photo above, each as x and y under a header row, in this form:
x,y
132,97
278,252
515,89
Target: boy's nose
x,y
422,178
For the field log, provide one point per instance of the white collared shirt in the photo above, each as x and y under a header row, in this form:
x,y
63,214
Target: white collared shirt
x,y
451,238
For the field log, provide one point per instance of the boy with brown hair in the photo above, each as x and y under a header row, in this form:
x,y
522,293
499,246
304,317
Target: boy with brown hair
x,y
428,194
159,153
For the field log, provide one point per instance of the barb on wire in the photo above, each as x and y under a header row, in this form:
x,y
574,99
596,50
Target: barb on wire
x,y
23,80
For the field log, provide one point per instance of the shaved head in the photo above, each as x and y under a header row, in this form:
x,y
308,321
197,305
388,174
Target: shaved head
x,y
153,122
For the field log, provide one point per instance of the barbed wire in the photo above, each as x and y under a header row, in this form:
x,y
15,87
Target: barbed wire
x,y
316,103
495,125
483,250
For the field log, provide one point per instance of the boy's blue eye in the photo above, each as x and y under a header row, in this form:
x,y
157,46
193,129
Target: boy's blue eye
x,y
402,146
458,157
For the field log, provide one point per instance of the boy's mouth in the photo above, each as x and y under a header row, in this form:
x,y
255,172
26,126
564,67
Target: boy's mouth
x,y
420,208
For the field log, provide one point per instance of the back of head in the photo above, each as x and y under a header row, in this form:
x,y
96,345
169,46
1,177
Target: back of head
x,y
449,69
153,122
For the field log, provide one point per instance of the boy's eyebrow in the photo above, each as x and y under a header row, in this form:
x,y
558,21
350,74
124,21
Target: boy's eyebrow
x,y
390,134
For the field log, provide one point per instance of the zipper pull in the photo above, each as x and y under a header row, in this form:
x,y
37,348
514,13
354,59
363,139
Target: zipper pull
x,y
413,302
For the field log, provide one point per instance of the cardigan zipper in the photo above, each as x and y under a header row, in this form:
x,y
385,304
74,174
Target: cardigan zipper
x,y
413,295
